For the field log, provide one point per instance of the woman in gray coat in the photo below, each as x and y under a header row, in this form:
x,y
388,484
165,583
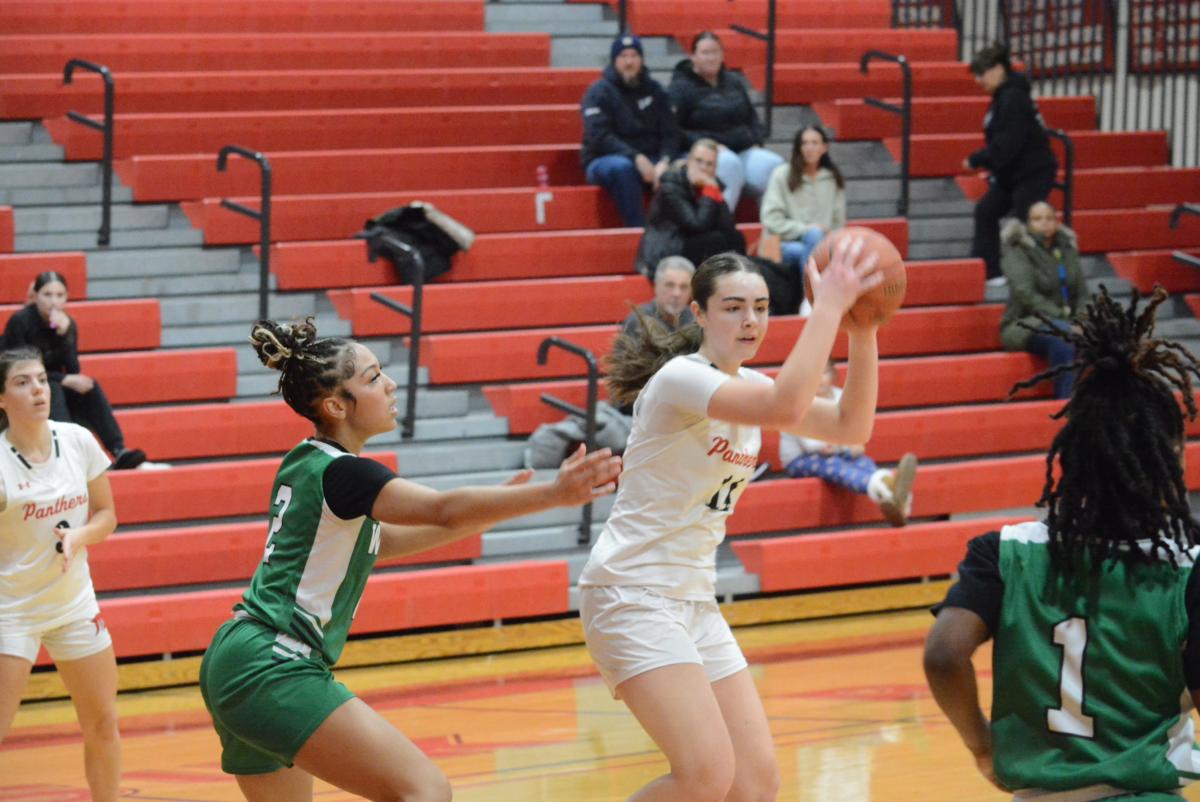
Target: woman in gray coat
x,y
1041,263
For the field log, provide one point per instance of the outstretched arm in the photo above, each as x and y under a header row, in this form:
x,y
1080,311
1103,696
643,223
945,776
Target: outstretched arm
x,y
416,518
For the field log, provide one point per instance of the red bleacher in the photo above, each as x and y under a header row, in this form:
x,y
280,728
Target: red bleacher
x,y
323,129
36,96
1118,187
192,176
18,270
6,229
123,325
830,45
1144,269
152,377
855,120
935,155
811,83
174,52
233,16
684,18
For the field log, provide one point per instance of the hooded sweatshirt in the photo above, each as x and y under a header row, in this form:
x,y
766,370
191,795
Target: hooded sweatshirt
x,y
1016,143
628,120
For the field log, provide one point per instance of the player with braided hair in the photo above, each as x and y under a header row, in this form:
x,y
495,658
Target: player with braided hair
x,y
1095,612
266,678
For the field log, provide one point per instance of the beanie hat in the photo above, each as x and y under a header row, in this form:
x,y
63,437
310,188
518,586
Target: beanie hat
x,y
624,42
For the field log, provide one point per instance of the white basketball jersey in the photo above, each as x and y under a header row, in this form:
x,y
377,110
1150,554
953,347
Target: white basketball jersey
x,y
35,593
682,478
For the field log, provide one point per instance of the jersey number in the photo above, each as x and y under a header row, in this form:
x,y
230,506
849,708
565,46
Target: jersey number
x,y
283,498
1068,718
721,499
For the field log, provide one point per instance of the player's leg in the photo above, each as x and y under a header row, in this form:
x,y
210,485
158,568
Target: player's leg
x,y
92,683
285,785
756,775
359,751
676,706
14,674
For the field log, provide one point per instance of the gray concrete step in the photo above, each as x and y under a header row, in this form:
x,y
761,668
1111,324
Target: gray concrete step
x,y
15,133
51,219
234,308
129,238
210,334
941,229
433,459
25,175
62,196
557,20
31,152
167,286
162,262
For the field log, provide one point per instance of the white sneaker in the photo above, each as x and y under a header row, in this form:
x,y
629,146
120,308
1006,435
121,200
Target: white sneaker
x,y
153,466
805,308
997,281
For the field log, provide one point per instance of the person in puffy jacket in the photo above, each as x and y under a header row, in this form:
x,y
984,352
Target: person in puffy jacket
x,y
1016,154
1041,263
713,102
629,132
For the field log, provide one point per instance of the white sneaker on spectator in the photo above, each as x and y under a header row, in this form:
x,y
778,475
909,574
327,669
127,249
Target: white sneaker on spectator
x,y
153,466
997,281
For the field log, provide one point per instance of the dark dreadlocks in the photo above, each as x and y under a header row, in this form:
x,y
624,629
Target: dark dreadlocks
x,y
1122,479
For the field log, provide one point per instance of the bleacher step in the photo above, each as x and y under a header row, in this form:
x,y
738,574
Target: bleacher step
x,y
62,196
234,308
25,176
113,263
167,286
555,19
225,333
51,219
121,238
15,133
31,152
431,459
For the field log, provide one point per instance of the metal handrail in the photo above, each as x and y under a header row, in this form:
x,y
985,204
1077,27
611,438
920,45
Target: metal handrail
x,y
1182,209
769,38
414,313
263,217
905,112
104,235
622,17
1067,185
588,414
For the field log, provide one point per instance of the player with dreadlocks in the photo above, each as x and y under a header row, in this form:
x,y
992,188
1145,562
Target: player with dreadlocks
x,y
1095,612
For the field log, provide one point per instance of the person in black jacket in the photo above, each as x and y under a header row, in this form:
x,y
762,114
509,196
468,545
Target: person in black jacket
x,y
713,102
688,215
1016,153
629,133
74,397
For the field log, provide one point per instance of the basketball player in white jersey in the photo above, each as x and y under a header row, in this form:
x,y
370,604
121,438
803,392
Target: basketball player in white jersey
x,y
647,592
55,501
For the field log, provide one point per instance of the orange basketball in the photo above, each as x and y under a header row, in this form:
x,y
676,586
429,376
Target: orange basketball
x,y
878,305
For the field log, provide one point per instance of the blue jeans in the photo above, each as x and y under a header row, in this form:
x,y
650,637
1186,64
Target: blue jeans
x,y
621,179
1057,352
751,167
796,252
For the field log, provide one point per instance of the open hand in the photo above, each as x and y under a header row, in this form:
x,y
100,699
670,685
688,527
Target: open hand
x,y
582,476
847,276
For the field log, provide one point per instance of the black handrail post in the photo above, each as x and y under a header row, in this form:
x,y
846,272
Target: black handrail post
x,y
622,17
1182,209
104,235
588,414
769,38
414,313
905,112
263,216
1067,185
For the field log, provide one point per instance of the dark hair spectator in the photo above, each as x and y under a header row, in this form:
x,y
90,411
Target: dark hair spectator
x,y
1041,263
629,132
713,102
74,396
805,198
1016,153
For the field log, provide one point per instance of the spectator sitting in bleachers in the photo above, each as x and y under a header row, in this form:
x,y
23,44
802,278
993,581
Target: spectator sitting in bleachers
x,y
1041,262
672,296
74,397
713,102
688,215
1016,153
849,466
629,132
805,199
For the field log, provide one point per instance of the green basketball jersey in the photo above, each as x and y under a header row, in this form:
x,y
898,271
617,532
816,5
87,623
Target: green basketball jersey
x,y
315,565
1089,686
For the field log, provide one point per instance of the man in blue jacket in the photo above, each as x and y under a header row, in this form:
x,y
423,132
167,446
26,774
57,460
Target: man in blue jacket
x,y
629,132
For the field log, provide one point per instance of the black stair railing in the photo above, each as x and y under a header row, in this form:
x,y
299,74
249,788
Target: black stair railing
x,y
262,215
588,414
904,110
391,247
768,37
104,235
1067,185
1176,213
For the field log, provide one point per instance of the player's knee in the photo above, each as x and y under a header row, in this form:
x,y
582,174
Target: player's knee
x,y
101,727
759,783
707,778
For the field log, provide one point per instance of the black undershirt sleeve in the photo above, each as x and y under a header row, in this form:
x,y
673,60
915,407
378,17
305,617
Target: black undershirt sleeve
x,y
980,588
1191,652
352,484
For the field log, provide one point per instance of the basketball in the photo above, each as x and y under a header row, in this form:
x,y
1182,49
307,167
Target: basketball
x,y
877,306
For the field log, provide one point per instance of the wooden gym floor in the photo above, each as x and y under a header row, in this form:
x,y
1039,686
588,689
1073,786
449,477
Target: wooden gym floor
x,y
852,718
